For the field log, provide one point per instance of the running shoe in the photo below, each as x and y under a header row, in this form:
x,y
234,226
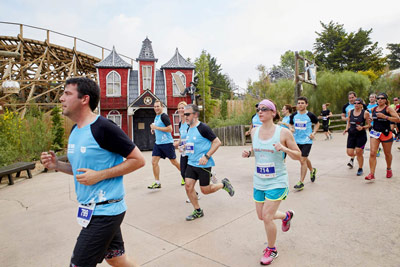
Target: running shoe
x,y
228,186
351,163
331,136
378,153
154,186
299,186
286,223
326,139
313,174
360,172
269,256
183,182
196,214
370,177
389,173
198,197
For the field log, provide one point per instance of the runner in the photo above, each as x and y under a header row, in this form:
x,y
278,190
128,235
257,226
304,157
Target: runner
x,y
163,147
270,180
345,111
325,116
356,125
286,112
180,144
201,144
96,151
304,135
382,115
371,105
255,122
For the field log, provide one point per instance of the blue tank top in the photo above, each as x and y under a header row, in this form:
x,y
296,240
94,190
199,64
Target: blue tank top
x,y
162,137
256,121
270,169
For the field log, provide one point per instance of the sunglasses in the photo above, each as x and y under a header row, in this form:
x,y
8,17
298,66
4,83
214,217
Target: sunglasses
x,y
380,98
187,114
357,103
263,109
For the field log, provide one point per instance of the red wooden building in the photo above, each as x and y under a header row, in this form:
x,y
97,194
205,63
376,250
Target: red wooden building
x,y
127,95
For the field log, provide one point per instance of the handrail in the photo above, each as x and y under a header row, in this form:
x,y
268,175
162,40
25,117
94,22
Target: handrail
x,y
59,33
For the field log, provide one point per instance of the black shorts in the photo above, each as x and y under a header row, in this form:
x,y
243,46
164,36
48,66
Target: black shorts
x,y
101,239
201,174
305,149
164,151
356,140
325,127
183,164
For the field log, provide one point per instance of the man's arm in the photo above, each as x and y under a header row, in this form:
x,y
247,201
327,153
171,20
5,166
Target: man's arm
x,y
167,129
215,144
134,161
50,161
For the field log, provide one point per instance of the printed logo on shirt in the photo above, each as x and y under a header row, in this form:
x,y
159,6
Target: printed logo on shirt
x,y
83,149
71,148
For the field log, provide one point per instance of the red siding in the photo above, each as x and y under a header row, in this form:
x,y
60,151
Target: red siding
x,y
171,100
146,63
124,122
108,103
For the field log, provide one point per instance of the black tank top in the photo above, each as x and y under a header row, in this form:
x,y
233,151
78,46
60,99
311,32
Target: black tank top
x,y
381,125
356,120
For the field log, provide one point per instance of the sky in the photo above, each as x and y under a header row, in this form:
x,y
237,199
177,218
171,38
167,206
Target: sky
x,y
240,34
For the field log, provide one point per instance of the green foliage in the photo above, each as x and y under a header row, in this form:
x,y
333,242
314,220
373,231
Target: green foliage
x,y
23,139
333,88
388,84
259,89
287,59
338,50
224,106
220,83
203,85
394,56
57,129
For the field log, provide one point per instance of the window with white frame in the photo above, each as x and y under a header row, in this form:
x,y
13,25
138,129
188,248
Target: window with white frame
x,y
116,117
176,119
113,81
146,72
178,83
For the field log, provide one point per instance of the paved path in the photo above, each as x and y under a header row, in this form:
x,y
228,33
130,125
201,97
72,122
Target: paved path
x,y
341,220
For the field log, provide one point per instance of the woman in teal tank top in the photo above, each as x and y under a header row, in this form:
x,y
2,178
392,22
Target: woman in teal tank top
x,y
270,178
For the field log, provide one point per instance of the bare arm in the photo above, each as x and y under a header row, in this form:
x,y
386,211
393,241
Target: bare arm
x,y
394,117
51,162
134,161
288,145
167,129
214,146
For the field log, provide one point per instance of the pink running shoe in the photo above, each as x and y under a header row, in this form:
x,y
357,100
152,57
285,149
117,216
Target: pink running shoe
x,y
269,256
389,173
286,224
370,177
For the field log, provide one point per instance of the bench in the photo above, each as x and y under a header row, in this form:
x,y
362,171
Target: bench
x,y
16,168
63,158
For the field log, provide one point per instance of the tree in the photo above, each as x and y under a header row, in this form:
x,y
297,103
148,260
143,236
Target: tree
x,y
287,59
57,129
338,50
394,56
259,89
203,84
219,81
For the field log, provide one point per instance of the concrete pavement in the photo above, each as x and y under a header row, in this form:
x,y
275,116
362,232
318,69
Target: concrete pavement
x,y
340,220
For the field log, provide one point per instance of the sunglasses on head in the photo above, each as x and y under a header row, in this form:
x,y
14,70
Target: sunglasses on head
x,y
263,109
187,114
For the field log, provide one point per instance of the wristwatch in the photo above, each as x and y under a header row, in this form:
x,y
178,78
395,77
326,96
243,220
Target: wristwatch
x,y
207,156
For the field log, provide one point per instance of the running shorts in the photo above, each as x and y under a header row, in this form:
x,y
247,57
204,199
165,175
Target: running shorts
x,y
164,151
201,174
271,195
305,149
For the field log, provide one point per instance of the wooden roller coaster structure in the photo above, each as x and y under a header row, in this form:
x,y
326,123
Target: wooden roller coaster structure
x,y
41,68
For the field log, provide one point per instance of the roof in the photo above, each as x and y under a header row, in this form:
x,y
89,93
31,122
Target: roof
x,y
113,61
178,62
146,53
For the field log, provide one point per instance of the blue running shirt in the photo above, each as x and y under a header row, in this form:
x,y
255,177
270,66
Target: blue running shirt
x,y
162,120
183,129
303,126
346,108
198,143
270,169
255,120
285,119
99,145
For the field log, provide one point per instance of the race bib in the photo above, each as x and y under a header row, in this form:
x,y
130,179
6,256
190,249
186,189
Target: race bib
x,y
300,125
85,213
375,134
182,147
266,170
189,148
324,118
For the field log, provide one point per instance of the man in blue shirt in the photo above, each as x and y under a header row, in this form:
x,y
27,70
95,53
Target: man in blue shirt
x,y
201,144
301,122
96,148
164,145
345,113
